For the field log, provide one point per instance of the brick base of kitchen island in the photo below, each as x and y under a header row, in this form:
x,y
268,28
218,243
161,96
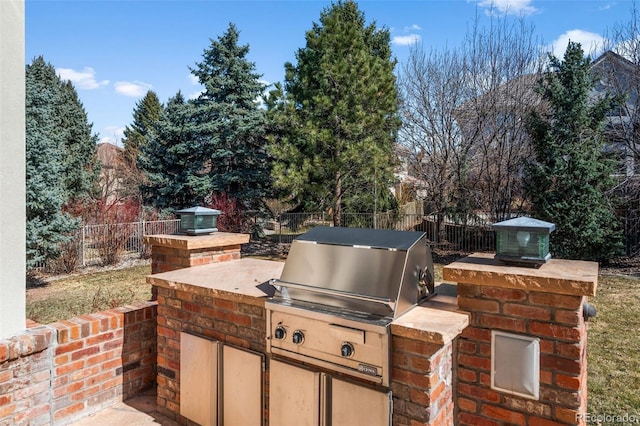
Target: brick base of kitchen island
x,y
430,345
234,314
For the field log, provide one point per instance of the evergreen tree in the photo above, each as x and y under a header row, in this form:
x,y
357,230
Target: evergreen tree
x,y
568,180
338,119
46,168
145,115
171,159
81,168
229,123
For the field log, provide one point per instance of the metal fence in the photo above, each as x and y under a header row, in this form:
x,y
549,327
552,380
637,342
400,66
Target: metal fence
x,y
632,233
442,232
101,242
108,244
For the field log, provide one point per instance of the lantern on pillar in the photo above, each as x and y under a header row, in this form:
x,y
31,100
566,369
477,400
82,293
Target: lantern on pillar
x,y
198,220
523,241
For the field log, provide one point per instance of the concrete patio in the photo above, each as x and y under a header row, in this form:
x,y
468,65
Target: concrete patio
x,y
139,410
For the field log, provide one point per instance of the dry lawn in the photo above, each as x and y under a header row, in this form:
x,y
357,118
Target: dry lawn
x,y
54,300
613,353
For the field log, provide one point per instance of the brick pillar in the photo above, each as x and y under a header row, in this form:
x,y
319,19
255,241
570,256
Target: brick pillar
x,y
545,303
170,252
423,343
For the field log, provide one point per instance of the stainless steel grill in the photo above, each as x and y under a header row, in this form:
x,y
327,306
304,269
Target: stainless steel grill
x,y
339,291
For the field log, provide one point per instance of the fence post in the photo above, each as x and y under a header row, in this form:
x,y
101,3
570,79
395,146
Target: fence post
x,y
141,239
83,247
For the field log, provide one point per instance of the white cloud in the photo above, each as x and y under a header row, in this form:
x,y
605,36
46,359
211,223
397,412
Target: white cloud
x,y
591,43
114,135
195,95
194,82
406,40
85,79
414,27
508,7
132,88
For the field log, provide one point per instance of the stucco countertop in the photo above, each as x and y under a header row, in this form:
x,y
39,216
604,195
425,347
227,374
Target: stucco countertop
x,y
234,280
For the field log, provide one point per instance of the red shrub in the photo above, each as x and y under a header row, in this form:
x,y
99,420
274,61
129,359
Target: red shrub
x,y
233,217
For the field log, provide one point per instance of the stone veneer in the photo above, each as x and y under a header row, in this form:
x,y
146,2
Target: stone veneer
x,y
546,303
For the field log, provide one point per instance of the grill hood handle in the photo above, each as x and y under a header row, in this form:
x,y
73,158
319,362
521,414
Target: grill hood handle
x,y
282,286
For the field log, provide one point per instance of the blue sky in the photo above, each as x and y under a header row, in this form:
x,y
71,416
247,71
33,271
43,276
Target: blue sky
x,y
115,50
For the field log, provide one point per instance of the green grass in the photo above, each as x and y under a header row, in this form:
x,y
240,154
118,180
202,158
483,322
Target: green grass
x,y
613,346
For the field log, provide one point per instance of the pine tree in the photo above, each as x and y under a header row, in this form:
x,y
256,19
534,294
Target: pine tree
x,y
176,175
568,180
47,226
229,123
339,115
145,115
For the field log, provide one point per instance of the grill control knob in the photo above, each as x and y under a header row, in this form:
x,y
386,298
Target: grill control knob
x,y
298,337
346,350
280,332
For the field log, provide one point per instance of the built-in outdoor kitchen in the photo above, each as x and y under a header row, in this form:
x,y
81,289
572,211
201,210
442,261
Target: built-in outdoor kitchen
x,y
352,330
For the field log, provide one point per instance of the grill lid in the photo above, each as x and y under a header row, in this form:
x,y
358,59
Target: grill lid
x,y
378,272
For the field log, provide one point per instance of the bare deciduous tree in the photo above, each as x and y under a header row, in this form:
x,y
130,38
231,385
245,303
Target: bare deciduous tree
x,y
464,117
504,64
433,88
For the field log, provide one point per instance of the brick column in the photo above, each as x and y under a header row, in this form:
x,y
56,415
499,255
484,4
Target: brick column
x,y
170,252
545,303
423,343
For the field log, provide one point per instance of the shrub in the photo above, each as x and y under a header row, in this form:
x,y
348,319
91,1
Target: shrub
x,y
233,217
69,258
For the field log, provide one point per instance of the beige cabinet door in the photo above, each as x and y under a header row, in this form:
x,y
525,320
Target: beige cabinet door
x,y
199,379
294,395
353,405
241,387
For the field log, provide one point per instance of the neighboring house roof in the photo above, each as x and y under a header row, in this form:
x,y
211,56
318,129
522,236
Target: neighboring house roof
x,y
611,58
114,172
110,156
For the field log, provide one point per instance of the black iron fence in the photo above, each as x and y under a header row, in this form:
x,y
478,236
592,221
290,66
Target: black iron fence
x,y
632,233
442,232
110,243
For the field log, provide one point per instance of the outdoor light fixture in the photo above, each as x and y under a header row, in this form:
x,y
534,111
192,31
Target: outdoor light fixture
x,y
198,220
523,241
